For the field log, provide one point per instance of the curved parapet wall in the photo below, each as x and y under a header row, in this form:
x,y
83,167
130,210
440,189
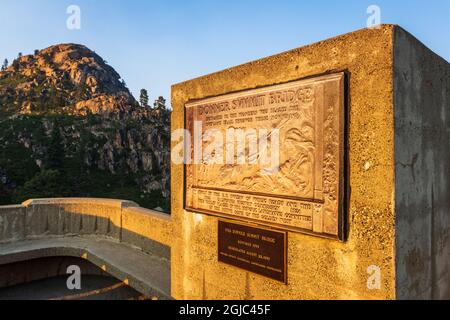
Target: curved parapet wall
x,y
65,217
76,227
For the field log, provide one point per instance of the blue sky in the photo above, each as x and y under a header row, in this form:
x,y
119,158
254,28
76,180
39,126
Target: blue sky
x,y
156,43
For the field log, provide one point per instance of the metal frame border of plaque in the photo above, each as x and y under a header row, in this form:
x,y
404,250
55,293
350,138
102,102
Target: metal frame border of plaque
x,y
337,217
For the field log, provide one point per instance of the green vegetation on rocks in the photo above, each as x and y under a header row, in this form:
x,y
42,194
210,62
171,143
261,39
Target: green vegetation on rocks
x,y
70,128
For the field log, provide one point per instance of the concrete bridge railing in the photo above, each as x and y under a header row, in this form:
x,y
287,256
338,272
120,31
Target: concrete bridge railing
x,y
105,232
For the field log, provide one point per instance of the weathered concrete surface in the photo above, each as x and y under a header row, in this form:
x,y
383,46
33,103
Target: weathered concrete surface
x,y
74,217
317,268
12,223
422,170
146,273
108,232
147,229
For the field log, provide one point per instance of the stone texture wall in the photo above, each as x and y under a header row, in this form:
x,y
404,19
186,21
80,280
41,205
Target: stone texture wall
x,y
147,229
130,243
12,223
317,268
118,220
422,169
74,217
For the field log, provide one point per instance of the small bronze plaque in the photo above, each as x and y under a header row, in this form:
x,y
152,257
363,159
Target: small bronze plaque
x,y
261,251
233,143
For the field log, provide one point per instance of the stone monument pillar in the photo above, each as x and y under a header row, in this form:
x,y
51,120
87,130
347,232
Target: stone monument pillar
x,y
356,205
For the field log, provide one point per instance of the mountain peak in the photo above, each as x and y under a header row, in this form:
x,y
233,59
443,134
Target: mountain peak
x,y
64,78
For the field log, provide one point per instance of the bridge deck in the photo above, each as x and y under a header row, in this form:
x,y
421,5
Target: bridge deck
x,y
149,274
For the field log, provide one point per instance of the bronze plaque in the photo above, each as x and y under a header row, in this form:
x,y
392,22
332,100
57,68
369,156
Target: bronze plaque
x,y
261,251
299,124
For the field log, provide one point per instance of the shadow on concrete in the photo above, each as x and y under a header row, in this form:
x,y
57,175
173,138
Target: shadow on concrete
x,y
93,232
46,279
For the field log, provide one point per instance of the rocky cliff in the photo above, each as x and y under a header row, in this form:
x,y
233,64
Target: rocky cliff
x,y
66,78
69,127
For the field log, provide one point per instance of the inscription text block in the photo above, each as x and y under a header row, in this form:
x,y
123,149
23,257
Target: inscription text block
x,y
260,251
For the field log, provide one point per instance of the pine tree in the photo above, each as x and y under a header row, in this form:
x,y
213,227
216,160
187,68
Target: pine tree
x,y
144,98
55,152
5,64
160,103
